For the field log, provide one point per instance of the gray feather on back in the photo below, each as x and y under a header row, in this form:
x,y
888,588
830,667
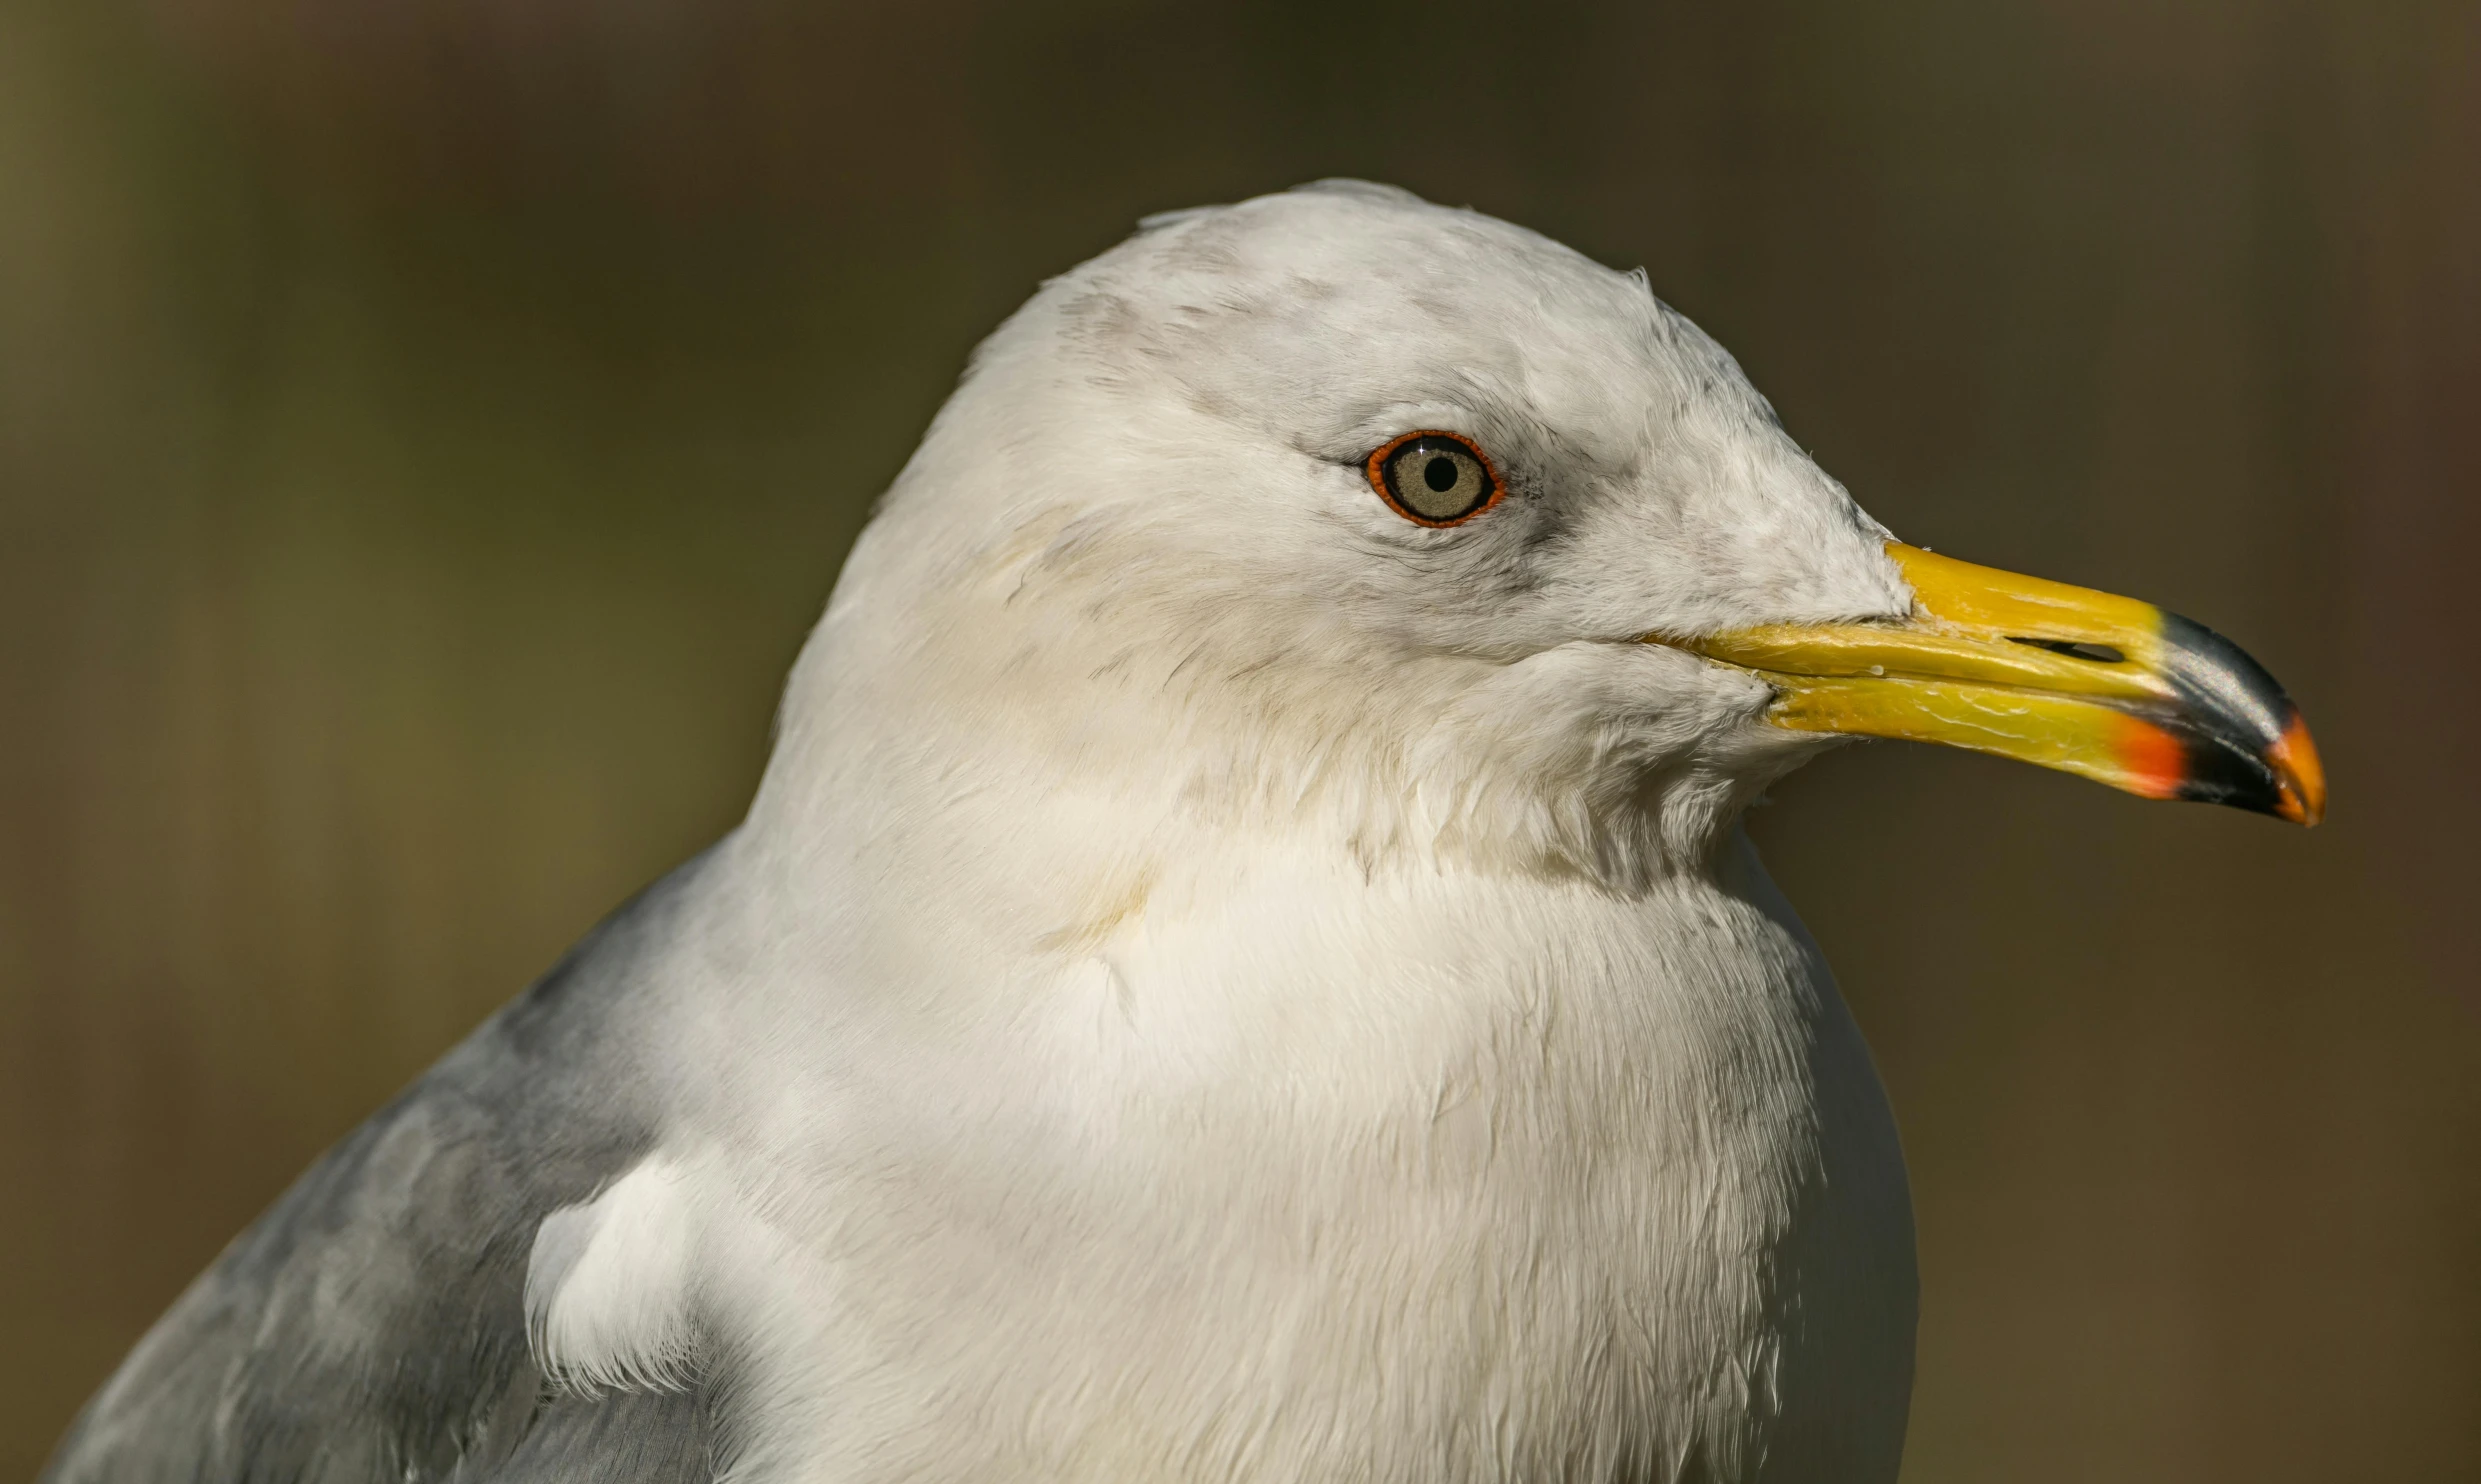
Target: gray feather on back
x,y
370,1326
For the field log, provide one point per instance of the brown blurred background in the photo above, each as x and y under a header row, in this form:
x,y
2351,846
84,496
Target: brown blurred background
x,y
427,427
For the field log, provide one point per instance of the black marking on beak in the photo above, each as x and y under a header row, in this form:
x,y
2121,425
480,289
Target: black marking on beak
x,y
2231,723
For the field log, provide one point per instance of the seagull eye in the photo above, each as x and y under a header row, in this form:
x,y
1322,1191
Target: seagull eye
x,y
1434,479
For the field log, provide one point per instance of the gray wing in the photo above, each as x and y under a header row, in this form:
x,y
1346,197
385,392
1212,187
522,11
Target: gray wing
x,y
370,1326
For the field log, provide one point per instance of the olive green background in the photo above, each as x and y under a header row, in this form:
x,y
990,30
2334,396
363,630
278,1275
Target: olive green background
x,y
427,427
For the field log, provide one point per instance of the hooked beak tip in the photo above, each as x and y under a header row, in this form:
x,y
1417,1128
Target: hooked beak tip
x,y
2299,778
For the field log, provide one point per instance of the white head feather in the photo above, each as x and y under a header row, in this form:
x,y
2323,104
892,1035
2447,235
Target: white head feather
x,y
1140,542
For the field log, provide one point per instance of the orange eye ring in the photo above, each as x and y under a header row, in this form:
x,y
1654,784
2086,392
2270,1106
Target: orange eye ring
x,y
1434,478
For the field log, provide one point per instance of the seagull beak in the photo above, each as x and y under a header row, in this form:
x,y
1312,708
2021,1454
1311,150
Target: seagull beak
x,y
2114,689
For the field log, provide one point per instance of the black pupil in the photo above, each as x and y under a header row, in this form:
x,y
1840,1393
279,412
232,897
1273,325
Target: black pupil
x,y
1439,473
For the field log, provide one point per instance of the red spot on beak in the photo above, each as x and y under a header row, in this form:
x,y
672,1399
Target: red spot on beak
x,y
2153,759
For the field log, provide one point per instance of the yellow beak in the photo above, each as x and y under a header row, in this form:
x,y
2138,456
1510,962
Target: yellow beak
x,y
2111,688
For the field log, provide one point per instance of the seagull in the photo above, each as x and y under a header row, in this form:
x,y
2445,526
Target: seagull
x,y
1243,963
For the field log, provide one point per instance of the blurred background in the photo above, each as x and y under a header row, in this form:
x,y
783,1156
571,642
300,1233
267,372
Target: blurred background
x,y
428,426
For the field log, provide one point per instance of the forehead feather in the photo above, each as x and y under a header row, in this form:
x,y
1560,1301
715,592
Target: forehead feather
x,y
1335,303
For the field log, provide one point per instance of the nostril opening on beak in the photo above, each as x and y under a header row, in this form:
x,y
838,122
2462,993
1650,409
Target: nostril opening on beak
x,y
2101,654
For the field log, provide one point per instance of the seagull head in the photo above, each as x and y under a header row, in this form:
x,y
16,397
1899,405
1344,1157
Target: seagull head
x,y
1339,510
